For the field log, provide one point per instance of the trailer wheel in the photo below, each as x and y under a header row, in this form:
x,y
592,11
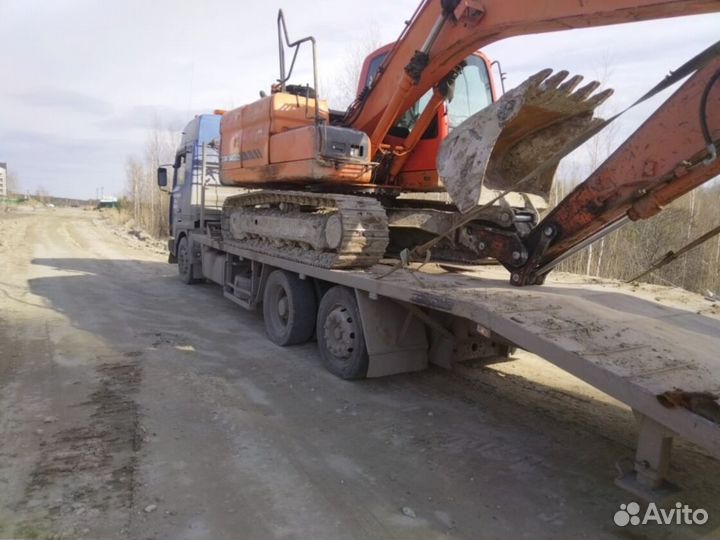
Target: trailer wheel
x,y
184,262
289,308
340,334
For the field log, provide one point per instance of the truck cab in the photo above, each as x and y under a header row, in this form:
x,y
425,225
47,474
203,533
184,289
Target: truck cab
x,y
184,178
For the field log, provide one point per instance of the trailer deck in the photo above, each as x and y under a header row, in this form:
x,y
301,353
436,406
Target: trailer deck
x,y
624,343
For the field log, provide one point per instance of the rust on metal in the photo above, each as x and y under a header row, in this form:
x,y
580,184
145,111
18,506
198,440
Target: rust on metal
x,y
432,301
703,404
504,245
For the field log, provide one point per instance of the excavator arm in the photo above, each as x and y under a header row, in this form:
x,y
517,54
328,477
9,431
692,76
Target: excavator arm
x,y
673,152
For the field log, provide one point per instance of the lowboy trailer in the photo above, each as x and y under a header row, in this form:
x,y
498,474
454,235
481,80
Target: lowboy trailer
x,y
375,322
660,360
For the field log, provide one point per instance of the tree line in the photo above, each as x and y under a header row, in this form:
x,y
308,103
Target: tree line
x,y
632,249
144,203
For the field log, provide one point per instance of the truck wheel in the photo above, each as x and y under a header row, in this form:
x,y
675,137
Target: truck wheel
x,y
340,334
184,262
289,308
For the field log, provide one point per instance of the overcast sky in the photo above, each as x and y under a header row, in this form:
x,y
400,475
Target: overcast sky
x,y
83,81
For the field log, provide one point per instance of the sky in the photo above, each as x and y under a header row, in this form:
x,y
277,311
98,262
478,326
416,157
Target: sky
x,y
82,82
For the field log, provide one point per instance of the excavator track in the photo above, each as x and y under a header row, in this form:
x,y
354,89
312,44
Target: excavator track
x,y
321,229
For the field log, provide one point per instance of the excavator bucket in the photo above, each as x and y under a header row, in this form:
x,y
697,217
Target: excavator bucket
x,y
496,147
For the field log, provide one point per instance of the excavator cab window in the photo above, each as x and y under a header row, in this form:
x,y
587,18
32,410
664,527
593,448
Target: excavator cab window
x,y
472,92
373,68
408,120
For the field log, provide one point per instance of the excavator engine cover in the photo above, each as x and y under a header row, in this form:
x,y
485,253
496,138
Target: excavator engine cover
x,y
501,144
277,141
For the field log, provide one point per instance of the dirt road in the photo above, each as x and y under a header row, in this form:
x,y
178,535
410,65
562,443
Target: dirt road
x,y
133,406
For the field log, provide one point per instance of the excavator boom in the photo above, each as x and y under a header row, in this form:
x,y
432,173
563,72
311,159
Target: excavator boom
x,y
442,33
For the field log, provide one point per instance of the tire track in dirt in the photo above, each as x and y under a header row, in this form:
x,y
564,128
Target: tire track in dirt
x,y
86,470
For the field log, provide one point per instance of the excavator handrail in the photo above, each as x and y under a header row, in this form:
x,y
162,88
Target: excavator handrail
x,y
283,33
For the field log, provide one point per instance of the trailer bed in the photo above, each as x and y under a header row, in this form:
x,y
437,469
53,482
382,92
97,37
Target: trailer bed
x,y
619,340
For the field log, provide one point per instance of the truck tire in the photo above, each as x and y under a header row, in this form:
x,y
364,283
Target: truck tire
x,y
289,308
184,262
340,334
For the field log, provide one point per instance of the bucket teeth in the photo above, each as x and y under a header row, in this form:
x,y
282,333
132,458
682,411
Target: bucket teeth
x,y
504,142
598,99
570,85
585,91
551,83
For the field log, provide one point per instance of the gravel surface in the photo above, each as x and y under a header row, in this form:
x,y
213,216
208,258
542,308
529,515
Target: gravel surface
x,y
133,406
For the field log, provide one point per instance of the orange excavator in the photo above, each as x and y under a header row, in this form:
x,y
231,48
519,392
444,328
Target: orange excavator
x,y
429,161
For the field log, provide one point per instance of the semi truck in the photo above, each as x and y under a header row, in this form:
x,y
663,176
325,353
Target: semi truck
x,y
343,251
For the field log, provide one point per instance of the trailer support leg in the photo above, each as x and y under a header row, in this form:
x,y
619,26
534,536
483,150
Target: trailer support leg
x,y
647,477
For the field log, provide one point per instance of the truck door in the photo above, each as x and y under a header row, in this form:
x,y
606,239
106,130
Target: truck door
x,y
180,215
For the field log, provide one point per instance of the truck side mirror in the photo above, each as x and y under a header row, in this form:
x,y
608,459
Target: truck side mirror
x,y
162,177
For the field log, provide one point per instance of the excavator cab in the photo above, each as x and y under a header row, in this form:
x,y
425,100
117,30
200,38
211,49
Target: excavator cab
x,y
473,90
